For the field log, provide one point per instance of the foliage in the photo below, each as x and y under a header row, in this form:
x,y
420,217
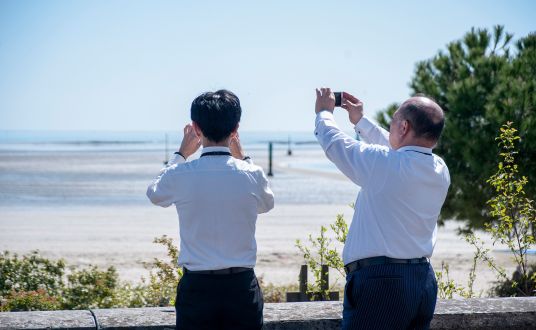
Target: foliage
x,y
513,213
384,117
29,301
481,81
273,293
446,287
510,287
32,282
324,254
29,273
514,218
164,276
91,288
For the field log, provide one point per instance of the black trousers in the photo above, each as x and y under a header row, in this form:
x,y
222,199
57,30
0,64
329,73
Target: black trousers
x,y
231,301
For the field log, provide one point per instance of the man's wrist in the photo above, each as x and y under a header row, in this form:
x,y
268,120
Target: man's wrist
x,y
363,125
325,114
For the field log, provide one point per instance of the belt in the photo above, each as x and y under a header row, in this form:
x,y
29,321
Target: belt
x,y
358,264
225,271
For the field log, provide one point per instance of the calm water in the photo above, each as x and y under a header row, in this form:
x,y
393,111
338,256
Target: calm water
x,y
56,169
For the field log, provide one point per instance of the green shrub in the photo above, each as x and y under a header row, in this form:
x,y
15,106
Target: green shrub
x,y
91,288
509,287
29,273
513,220
273,293
37,300
32,282
164,275
321,253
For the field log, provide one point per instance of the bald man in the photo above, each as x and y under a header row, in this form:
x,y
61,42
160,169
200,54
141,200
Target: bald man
x,y
390,283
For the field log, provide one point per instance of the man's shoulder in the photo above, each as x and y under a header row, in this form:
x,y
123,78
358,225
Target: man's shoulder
x,y
245,166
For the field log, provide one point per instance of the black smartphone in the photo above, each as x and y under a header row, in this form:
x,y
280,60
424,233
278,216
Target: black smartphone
x,y
338,99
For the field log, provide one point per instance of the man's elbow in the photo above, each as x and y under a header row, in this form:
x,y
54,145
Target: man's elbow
x,y
267,205
155,198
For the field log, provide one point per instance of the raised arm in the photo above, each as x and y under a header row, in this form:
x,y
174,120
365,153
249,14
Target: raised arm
x,y
372,133
263,193
161,191
367,130
353,158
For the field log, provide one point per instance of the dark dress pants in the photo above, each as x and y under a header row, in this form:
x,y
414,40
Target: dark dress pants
x,y
390,296
231,301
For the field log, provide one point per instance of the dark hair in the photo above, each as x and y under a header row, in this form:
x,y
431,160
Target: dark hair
x,y
426,119
216,113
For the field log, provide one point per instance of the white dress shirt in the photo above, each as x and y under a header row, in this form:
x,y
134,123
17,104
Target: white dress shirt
x,y
402,191
217,198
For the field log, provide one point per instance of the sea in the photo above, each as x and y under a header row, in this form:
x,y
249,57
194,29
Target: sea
x,y
83,168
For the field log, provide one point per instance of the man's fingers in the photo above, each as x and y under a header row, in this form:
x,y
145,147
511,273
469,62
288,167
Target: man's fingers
x,y
318,94
346,104
350,97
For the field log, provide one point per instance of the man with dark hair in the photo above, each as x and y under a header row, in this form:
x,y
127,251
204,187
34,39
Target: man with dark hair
x,y
217,198
390,283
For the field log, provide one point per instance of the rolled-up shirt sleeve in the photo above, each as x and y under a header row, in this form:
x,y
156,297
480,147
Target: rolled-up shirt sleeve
x,y
161,191
353,158
264,195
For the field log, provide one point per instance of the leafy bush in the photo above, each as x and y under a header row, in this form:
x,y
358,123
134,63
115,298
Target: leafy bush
x,y
273,293
32,282
509,287
513,222
324,254
29,301
164,276
29,273
91,288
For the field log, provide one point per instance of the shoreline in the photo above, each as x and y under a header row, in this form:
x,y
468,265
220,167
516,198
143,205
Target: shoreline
x,y
122,237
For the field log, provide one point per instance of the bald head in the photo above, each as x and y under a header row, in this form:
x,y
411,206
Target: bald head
x,y
425,117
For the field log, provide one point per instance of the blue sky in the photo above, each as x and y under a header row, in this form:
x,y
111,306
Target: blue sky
x,y
137,65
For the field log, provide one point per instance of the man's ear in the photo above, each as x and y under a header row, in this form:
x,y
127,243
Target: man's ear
x,y
197,129
404,130
235,130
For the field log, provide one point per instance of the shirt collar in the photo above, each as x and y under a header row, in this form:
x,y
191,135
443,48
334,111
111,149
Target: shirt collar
x,y
214,149
416,148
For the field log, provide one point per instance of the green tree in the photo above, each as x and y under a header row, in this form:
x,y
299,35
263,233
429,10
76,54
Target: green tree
x,y
480,81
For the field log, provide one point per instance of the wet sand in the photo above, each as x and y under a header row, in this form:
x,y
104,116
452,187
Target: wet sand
x,y
90,208
122,237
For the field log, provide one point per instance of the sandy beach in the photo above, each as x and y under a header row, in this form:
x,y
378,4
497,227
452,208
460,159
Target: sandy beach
x,y
107,221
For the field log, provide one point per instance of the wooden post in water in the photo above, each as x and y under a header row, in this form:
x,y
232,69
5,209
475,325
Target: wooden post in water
x,y
270,151
289,151
166,160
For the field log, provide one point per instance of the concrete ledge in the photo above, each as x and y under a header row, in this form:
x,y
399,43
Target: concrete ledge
x,y
485,313
493,313
139,318
48,320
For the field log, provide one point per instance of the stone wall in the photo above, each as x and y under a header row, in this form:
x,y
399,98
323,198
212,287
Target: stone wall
x,y
493,313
